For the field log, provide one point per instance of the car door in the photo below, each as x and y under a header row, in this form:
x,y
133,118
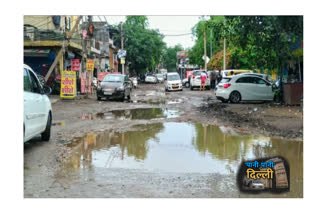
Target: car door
x,y
245,85
28,111
38,117
263,89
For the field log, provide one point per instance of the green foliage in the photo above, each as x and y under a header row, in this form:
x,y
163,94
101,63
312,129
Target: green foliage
x,y
170,56
144,46
252,41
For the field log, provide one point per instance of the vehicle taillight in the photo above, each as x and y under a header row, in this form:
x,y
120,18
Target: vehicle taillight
x,y
226,85
193,77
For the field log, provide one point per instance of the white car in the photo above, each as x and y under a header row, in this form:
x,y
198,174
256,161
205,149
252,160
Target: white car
x,y
37,115
244,87
195,80
160,77
173,82
151,79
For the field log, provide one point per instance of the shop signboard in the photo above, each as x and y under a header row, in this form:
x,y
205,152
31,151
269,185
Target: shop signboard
x,y
90,64
68,84
75,65
85,85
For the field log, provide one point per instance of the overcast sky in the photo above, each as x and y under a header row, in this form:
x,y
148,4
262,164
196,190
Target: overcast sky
x,y
168,25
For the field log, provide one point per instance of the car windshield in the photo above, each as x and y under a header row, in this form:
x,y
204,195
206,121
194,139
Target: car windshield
x,y
173,77
113,78
159,75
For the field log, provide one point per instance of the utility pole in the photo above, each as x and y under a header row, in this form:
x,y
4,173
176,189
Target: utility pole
x,y
62,50
84,51
210,43
122,45
205,46
224,48
89,44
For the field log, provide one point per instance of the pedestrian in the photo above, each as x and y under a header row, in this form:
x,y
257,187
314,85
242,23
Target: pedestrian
x,y
203,81
213,77
219,78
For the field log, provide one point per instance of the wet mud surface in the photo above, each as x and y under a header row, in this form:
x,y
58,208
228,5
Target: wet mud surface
x,y
160,144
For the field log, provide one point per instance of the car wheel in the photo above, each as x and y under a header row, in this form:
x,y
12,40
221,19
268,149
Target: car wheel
x,y
45,136
129,97
235,97
187,85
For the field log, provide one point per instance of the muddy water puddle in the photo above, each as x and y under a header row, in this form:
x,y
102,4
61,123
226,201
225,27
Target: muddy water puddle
x,y
182,148
134,114
159,102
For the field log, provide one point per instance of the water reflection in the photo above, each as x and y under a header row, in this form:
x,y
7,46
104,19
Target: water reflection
x,y
183,147
156,146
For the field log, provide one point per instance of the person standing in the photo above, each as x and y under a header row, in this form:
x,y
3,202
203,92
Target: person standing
x,y
219,76
203,81
213,77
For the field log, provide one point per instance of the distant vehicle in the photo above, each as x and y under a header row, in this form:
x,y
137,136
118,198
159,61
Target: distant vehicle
x,y
151,79
253,184
235,72
195,81
160,77
134,81
37,111
244,87
116,86
173,82
185,83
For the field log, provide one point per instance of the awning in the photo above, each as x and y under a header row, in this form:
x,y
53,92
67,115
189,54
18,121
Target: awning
x,y
37,52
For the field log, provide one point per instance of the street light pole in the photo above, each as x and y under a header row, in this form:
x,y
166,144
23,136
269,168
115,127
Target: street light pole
x,y
224,48
205,46
122,46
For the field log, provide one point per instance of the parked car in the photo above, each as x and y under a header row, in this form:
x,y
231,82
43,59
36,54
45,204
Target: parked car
x,y
235,72
116,86
253,184
134,81
173,82
185,83
195,81
244,87
160,77
37,111
151,79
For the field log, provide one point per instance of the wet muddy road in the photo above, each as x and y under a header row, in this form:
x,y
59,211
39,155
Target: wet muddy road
x,y
159,144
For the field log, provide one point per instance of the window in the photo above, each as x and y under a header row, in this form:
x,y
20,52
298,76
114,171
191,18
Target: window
x,y
260,81
224,80
26,81
35,87
245,80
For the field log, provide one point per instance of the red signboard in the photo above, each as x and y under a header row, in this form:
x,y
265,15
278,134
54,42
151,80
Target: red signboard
x,y
75,65
85,85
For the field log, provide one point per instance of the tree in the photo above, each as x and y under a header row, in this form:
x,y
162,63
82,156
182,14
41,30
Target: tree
x,y
170,56
144,46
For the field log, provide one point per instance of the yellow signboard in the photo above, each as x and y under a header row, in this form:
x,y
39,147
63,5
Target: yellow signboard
x,y
122,60
274,74
68,84
90,64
